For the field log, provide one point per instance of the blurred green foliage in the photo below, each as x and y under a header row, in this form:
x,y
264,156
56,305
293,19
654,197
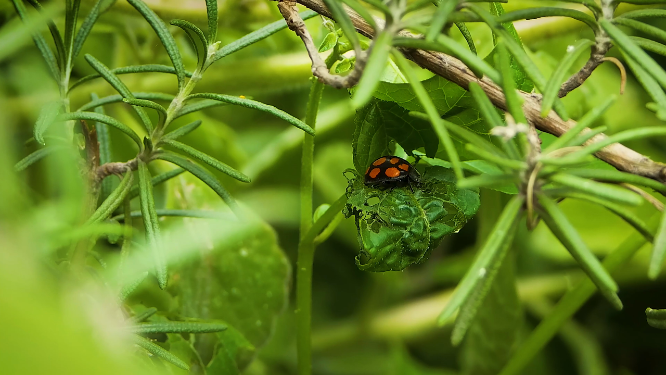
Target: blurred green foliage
x,y
61,317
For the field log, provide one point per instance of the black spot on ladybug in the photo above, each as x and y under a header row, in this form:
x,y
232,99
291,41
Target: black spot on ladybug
x,y
391,171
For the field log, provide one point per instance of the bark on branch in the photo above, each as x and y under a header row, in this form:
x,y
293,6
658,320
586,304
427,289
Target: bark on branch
x,y
617,155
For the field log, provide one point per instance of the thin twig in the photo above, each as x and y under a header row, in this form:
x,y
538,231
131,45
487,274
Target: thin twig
x,y
319,68
117,168
597,56
452,69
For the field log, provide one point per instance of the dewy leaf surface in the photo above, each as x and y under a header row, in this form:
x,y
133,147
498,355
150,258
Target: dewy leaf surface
x,y
244,286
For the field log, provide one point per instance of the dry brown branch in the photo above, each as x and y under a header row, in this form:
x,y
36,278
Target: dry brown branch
x,y
617,155
597,56
117,168
319,68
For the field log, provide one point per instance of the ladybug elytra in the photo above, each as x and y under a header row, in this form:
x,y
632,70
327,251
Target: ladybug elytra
x,y
391,171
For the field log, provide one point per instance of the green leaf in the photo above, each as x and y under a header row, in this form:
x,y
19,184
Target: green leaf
x,y
625,43
233,353
379,122
160,352
244,283
99,102
397,227
604,191
342,18
467,35
161,111
647,81
439,19
71,16
649,45
113,201
87,26
147,68
447,45
658,249
486,257
618,177
194,33
92,116
104,142
431,111
117,84
211,12
199,214
160,178
569,237
144,315
167,39
35,157
644,28
150,223
583,123
40,42
182,131
446,95
61,52
196,154
362,11
656,318
247,103
201,174
330,40
178,327
257,35
374,68
198,106
47,116
557,78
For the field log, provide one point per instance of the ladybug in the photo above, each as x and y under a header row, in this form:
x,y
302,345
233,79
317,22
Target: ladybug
x,y
391,171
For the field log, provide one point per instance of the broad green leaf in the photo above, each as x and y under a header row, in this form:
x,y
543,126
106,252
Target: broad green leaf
x,y
150,222
398,227
233,353
47,116
167,39
378,123
245,285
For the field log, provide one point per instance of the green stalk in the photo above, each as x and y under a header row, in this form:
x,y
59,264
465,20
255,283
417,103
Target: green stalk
x,y
306,247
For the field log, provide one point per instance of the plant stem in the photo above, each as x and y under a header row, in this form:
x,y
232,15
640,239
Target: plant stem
x,y
306,247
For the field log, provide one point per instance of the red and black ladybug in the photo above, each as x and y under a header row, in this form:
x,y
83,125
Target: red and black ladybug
x,y
391,171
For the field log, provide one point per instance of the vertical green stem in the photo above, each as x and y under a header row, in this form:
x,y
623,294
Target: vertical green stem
x,y
306,248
